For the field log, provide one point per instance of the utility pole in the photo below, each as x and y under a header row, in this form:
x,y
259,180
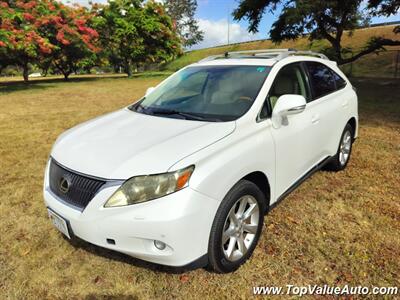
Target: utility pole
x,y
228,22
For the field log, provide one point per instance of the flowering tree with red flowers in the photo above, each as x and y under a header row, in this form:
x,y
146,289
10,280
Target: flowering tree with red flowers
x,y
74,40
33,30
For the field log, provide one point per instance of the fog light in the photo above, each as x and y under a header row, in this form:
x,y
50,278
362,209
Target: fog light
x,y
159,245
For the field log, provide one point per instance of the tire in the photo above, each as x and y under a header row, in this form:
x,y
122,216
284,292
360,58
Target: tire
x,y
243,200
342,157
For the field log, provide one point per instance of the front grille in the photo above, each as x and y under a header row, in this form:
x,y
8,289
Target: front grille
x,y
72,188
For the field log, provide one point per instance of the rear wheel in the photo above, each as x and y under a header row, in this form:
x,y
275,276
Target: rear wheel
x,y
237,227
342,157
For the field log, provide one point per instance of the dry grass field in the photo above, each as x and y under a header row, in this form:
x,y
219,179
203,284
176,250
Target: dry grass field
x,y
336,228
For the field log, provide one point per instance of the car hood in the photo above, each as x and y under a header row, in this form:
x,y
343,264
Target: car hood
x,y
124,143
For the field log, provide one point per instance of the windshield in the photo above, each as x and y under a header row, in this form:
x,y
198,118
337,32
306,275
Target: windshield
x,y
207,93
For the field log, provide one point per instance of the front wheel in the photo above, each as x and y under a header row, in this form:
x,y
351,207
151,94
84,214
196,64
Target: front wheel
x,y
342,157
237,227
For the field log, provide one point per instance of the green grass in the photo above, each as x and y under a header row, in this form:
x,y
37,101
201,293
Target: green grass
x,y
336,228
372,65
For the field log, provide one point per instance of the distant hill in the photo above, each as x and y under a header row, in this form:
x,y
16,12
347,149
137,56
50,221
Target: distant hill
x,y
372,65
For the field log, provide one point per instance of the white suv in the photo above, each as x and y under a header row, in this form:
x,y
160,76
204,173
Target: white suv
x,y
185,175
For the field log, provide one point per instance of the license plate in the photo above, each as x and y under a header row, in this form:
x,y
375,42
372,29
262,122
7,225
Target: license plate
x,y
59,222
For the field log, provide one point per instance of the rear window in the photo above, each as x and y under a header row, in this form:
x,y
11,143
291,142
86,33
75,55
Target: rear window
x,y
322,79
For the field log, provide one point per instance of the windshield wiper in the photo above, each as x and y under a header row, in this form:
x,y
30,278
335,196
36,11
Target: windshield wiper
x,y
186,115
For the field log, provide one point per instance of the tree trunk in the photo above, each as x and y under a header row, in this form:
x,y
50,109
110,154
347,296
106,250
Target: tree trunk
x,y
128,68
25,72
129,71
63,69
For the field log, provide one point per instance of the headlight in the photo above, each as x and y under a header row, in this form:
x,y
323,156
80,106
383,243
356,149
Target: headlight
x,y
144,188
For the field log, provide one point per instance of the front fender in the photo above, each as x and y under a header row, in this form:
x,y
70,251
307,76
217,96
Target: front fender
x,y
220,166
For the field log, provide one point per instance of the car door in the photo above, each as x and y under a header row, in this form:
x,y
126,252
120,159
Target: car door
x,y
295,141
325,108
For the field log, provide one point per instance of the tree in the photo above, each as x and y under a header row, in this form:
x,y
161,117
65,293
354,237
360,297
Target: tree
x,y
182,13
160,39
383,7
135,33
33,31
89,61
73,38
19,35
320,20
4,58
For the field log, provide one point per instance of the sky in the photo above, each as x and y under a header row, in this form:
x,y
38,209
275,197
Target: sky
x,y
213,15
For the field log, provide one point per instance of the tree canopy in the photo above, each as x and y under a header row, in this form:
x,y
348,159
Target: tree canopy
x,y
66,38
182,13
319,20
31,31
134,33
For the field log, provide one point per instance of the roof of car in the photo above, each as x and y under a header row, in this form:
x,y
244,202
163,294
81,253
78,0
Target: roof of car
x,y
237,61
265,57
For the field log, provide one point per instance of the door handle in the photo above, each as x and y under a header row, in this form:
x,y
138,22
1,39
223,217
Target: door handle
x,y
315,119
296,109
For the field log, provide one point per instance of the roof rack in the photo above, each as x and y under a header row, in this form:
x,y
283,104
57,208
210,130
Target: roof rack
x,y
276,54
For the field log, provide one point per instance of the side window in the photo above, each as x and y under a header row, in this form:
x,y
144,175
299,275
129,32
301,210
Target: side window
x,y
290,80
340,82
322,79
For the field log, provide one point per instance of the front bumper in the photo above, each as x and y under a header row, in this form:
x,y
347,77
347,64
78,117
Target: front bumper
x,y
181,220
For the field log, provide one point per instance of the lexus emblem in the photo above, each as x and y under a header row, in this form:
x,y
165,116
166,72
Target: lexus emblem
x,y
64,185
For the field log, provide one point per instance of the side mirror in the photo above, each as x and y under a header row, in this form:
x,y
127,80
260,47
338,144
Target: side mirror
x,y
287,105
149,90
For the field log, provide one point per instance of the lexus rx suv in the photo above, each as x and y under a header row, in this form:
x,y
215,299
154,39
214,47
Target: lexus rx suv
x,y
185,175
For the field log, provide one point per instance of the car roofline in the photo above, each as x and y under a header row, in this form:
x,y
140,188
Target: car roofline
x,y
271,56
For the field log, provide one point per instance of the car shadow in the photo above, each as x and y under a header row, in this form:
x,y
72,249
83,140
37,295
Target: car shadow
x,y
10,87
45,83
121,257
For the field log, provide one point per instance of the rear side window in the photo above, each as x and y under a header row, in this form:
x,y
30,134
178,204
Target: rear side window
x,y
340,82
321,78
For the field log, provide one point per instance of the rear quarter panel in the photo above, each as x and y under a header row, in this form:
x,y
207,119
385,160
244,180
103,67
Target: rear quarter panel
x,y
348,93
336,109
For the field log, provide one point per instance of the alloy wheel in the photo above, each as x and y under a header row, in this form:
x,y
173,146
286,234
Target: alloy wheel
x,y
345,147
240,228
